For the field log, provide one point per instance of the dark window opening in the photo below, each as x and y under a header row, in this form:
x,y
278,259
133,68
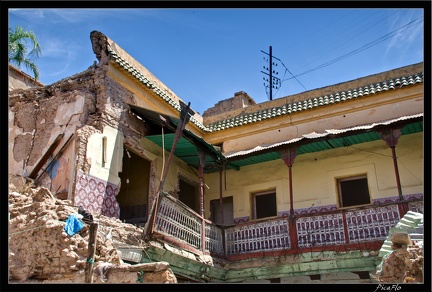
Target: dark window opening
x,y
227,216
189,194
315,277
134,189
353,191
264,205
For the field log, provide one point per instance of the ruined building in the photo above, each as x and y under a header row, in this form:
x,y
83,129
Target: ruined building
x,y
300,189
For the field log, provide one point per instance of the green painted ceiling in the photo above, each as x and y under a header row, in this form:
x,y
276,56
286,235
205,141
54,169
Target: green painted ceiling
x,y
187,151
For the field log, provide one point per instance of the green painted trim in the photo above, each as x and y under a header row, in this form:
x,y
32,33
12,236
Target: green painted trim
x,y
302,269
184,266
307,264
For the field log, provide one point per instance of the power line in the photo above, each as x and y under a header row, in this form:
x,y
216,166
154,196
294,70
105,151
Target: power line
x,y
274,82
287,70
358,50
343,40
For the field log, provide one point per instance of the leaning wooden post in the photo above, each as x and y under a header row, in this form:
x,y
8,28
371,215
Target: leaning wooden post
x,y
91,253
201,162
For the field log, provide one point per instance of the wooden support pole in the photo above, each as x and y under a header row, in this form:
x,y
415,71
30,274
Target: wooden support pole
x,y
391,137
220,198
91,253
288,155
201,163
45,157
55,157
144,267
184,119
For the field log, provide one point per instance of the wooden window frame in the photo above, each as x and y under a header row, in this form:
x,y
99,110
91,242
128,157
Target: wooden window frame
x,y
342,202
254,205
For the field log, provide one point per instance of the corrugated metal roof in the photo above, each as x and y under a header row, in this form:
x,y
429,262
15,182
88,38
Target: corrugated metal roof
x,y
353,139
327,144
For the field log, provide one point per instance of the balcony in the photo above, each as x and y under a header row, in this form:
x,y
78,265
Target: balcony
x,y
324,236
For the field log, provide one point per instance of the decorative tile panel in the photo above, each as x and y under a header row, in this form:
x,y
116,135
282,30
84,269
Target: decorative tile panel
x,y
388,200
240,220
96,195
320,230
395,199
371,224
416,206
257,237
414,197
310,210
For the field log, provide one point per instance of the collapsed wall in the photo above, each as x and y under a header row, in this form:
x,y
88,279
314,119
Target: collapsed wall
x,y
404,264
40,249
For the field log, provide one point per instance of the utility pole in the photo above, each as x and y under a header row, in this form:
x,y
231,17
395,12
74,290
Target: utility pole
x,y
273,82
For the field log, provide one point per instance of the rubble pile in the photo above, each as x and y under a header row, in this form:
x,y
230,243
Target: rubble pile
x,y
404,264
40,249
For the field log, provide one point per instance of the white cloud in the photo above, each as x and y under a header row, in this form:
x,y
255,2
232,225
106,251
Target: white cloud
x,y
410,34
77,15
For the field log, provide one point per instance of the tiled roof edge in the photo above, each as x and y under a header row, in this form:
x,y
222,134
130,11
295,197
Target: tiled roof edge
x,y
152,86
315,102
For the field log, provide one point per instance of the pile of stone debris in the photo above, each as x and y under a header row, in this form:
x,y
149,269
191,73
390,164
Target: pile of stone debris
x,y
41,250
404,264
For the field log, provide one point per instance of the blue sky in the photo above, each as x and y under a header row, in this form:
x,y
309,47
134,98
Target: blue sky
x,y
206,55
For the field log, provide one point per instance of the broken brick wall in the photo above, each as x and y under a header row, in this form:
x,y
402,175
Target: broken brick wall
x,y
240,100
85,109
91,110
37,117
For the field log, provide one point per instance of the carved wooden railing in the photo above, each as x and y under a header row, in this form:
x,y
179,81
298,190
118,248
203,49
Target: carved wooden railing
x,y
350,226
214,238
175,219
259,236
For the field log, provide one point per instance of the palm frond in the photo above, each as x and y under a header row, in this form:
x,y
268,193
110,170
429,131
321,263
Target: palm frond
x,y
17,47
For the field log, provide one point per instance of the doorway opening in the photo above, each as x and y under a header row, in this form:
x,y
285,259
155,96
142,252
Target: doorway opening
x,y
134,190
189,194
228,211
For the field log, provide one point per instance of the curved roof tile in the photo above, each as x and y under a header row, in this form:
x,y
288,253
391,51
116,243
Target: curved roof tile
x,y
320,101
285,109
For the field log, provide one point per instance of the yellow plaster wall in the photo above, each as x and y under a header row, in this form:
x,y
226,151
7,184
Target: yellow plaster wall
x,y
315,174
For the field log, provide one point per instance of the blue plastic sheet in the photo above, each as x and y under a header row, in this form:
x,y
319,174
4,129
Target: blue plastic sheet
x,y
73,225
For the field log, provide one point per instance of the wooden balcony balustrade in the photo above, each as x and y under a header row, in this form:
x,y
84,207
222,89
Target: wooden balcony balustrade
x,y
178,224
